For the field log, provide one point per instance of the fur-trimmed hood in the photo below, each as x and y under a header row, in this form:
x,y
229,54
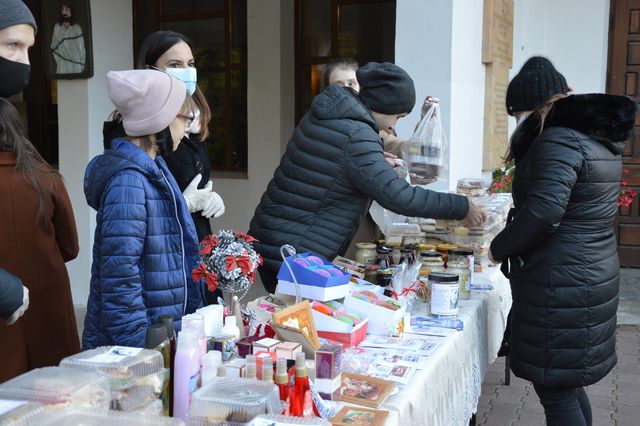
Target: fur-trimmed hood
x,y
609,119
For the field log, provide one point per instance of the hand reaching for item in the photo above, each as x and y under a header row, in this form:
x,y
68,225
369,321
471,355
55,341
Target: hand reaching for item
x,y
428,101
476,216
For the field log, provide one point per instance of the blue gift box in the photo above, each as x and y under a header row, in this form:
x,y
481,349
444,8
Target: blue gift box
x,y
306,276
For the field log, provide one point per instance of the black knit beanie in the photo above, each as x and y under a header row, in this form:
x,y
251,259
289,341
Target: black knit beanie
x,y
386,88
15,12
536,82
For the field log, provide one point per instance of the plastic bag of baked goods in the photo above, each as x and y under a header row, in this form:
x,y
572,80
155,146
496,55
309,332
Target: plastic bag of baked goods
x,y
427,150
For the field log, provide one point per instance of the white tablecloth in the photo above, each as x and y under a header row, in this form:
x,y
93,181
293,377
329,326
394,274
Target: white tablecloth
x,y
446,391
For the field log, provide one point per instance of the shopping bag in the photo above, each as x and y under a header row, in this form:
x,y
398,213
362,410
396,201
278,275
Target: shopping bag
x,y
427,150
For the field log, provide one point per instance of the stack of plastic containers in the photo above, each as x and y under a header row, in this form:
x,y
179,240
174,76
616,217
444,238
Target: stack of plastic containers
x,y
136,376
19,413
68,417
56,385
272,419
228,401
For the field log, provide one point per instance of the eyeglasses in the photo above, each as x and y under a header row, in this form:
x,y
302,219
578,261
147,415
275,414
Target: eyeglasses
x,y
188,119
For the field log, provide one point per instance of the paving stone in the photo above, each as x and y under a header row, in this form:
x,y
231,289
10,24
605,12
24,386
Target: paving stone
x,y
494,378
625,420
603,402
601,390
510,397
532,419
503,414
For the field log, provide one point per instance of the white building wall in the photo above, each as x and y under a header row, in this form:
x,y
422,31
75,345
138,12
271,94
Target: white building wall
x,y
270,101
573,34
82,107
439,43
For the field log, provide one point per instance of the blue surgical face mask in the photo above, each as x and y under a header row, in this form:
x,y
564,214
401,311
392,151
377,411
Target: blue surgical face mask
x,y
187,75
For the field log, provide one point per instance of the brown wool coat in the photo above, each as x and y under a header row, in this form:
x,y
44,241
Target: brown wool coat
x,y
36,253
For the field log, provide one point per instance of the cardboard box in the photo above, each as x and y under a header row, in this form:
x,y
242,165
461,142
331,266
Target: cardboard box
x,y
245,345
288,350
235,368
315,286
328,387
328,361
313,292
226,346
265,345
333,329
380,318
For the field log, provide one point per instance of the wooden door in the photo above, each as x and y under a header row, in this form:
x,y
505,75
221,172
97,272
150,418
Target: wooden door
x,y
623,79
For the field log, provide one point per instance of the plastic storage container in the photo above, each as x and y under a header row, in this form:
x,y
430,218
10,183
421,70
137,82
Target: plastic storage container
x,y
56,385
71,416
19,413
272,419
233,400
136,376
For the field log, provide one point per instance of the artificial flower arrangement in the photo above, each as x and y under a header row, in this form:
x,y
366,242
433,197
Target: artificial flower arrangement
x,y
227,260
626,195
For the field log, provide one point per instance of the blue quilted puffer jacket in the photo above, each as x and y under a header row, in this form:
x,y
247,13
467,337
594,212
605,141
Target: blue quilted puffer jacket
x,y
144,249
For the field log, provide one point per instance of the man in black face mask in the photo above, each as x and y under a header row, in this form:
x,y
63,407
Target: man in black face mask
x,y
17,35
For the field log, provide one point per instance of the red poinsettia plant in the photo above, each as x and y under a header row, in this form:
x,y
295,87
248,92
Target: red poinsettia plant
x,y
503,178
227,260
626,195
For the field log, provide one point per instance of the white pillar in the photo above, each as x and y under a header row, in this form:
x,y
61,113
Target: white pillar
x,y
83,105
270,103
439,43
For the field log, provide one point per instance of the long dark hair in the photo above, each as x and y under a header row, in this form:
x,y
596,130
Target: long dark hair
x,y
28,161
154,46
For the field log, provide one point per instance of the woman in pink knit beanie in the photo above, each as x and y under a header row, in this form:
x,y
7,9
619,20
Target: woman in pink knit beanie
x,y
145,243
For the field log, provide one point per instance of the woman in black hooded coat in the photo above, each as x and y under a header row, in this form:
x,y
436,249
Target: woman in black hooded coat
x,y
562,249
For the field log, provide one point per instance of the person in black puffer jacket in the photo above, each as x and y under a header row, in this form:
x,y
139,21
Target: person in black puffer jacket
x,y
334,166
562,249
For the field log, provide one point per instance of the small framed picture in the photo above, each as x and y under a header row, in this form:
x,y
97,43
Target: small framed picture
x,y
365,390
67,39
359,416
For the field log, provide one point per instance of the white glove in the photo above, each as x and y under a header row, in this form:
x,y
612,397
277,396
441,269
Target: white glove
x,y
195,197
22,309
213,206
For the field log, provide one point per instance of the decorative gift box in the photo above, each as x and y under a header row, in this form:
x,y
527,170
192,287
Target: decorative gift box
x,y
288,350
318,278
245,345
335,322
235,368
226,345
327,387
384,313
328,360
295,324
265,345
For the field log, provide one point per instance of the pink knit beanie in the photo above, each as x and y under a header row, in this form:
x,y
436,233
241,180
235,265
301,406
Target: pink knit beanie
x,y
148,100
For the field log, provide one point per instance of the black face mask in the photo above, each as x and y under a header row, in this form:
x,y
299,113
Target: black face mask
x,y
14,76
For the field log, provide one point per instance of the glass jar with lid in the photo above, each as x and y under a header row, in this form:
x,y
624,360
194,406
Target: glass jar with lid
x,y
445,292
466,256
431,262
383,257
366,253
461,268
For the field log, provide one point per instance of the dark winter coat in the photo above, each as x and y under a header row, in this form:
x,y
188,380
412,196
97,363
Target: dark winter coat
x,y
144,248
332,168
561,243
36,251
185,163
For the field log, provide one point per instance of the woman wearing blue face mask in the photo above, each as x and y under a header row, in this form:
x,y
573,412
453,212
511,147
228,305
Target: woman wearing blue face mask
x,y
189,163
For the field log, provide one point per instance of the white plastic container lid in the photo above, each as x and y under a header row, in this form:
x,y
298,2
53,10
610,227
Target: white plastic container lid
x,y
212,319
53,385
234,399
271,419
117,361
18,413
71,416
